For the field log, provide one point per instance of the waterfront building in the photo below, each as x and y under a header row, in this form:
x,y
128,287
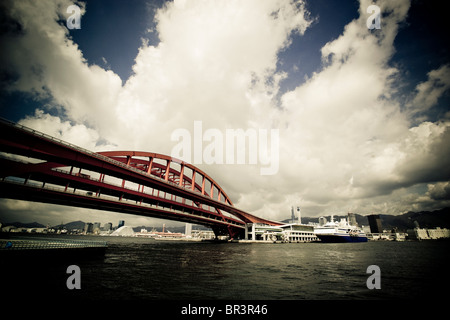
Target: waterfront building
x,y
418,234
296,232
107,226
203,234
352,219
258,231
188,230
88,228
387,236
322,221
438,233
96,227
375,223
426,234
291,232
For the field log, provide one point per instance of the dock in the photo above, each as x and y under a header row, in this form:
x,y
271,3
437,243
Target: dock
x,y
49,247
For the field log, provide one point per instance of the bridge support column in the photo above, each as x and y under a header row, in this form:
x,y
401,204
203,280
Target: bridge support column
x,y
231,232
253,232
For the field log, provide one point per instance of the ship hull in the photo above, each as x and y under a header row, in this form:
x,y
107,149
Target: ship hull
x,y
331,238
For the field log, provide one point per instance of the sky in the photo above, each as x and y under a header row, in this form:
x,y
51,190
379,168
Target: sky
x,y
357,118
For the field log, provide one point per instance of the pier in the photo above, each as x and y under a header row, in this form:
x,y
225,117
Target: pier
x,y
48,247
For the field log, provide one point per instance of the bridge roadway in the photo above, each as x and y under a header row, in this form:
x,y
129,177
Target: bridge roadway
x,y
37,167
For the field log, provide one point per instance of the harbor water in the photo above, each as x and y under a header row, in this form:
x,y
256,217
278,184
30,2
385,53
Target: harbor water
x,y
148,269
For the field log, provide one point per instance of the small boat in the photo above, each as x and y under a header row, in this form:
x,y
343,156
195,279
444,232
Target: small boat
x,y
339,232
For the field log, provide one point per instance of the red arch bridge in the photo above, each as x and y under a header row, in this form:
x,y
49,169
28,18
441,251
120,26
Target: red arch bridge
x,y
37,167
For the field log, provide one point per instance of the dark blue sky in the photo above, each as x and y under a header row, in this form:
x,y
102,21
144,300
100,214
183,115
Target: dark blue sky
x,y
330,18
112,32
422,45
130,21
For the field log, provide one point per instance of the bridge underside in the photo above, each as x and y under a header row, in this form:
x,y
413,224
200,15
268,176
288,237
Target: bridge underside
x,y
77,199
37,167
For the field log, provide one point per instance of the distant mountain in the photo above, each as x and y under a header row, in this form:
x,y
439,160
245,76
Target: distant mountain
x,y
71,225
25,225
425,219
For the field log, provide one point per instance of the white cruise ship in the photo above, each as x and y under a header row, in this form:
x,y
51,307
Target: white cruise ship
x,y
339,232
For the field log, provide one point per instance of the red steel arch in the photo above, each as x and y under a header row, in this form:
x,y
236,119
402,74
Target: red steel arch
x,y
167,171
